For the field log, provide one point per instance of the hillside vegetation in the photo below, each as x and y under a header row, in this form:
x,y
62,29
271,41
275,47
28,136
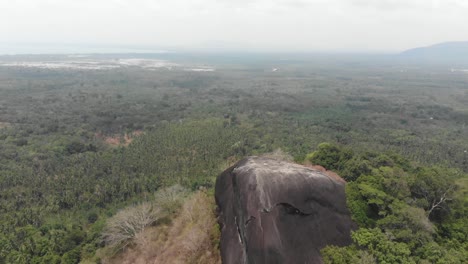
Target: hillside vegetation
x,y
187,233
405,213
77,147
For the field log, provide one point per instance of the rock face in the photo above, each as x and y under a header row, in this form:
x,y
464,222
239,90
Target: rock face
x,y
273,211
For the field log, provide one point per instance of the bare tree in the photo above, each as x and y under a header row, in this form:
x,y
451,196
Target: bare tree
x,y
128,223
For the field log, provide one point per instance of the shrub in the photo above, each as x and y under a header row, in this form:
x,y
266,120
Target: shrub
x,y
329,156
170,199
128,223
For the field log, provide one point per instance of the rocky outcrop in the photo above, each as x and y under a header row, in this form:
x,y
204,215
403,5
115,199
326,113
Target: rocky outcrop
x,y
273,211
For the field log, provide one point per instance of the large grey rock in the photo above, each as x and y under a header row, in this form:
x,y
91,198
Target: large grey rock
x,y
273,211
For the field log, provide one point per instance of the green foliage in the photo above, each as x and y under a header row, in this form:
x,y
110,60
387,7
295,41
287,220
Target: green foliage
x,y
361,212
355,167
78,147
434,188
401,209
71,257
382,248
329,156
339,255
61,179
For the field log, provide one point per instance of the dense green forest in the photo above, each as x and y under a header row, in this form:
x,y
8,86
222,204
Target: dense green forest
x,y
77,145
406,213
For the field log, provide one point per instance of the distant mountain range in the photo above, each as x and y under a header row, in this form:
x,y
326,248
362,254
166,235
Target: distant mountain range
x,y
443,52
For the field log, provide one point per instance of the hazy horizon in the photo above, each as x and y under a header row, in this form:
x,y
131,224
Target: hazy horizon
x,y
71,48
386,26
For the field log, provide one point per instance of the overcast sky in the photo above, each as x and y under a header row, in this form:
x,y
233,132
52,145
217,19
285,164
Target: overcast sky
x,y
268,25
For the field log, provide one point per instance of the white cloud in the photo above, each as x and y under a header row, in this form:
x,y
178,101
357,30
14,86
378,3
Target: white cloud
x,y
262,24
